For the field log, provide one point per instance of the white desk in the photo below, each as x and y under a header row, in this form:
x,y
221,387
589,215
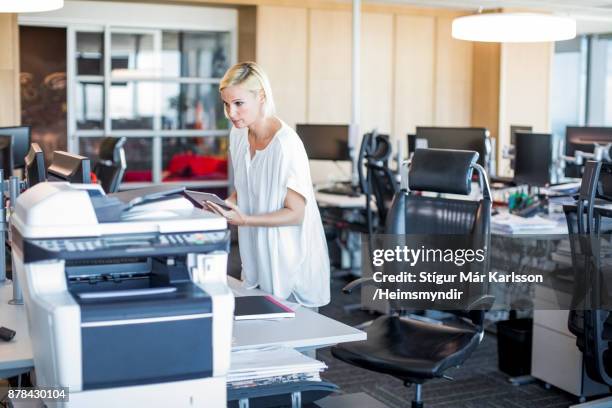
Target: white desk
x,y
308,330
15,355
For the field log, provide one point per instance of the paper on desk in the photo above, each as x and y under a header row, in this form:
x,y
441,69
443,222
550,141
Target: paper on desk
x,y
513,224
271,362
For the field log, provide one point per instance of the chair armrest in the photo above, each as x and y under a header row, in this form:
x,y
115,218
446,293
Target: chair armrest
x,y
354,284
484,302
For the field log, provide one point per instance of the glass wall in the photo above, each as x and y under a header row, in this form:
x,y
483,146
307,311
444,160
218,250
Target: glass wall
x,y
568,86
600,75
159,88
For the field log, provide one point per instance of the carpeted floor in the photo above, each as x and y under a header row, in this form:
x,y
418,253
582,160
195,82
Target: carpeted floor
x,y
477,384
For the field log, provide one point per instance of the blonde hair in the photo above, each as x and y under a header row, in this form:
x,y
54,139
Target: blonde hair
x,y
250,75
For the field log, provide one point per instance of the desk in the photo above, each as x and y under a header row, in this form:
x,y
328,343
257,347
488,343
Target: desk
x,y
15,355
308,330
341,201
551,337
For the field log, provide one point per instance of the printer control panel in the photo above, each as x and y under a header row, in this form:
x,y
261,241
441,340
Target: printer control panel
x,y
129,244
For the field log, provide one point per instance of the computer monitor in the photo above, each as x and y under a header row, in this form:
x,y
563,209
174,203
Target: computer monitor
x,y
518,128
513,130
325,142
460,138
6,155
69,167
21,143
582,138
533,159
415,143
35,169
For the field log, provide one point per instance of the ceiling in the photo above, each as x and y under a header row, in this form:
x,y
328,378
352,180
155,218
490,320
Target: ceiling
x,y
591,15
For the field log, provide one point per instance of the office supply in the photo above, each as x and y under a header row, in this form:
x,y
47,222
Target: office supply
x,y
184,356
513,224
583,139
457,138
260,307
534,159
35,169
6,334
198,198
390,347
69,167
110,165
251,365
20,136
325,142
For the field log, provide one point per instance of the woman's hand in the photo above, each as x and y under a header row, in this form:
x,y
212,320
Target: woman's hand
x,y
233,216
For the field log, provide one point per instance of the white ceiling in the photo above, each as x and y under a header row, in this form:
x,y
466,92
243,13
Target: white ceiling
x,y
591,15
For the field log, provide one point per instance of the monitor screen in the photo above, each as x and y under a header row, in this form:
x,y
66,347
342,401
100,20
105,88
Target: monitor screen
x,y
325,142
533,158
35,170
582,138
457,138
69,167
6,155
518,128
21,143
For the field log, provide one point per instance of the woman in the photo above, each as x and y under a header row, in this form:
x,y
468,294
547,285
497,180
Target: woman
x,y
281,239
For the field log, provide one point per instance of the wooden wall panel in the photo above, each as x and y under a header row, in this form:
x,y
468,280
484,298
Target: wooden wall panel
x,y
485,86
282,45
247,33
10,111
329,67
376,72
413,102
524,90
453,82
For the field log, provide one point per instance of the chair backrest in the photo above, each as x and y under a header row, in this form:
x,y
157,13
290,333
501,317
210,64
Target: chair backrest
x,y
444,171
111,164
587,321
381,181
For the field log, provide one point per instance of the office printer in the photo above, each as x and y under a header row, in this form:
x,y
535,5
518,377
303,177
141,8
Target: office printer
x,y
127,312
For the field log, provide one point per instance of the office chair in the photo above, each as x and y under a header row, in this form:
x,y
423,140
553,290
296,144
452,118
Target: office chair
x,y
411,350
111,164
588,321
379,181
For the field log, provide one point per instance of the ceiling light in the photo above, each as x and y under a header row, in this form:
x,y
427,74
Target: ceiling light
x,y
29,6
514,27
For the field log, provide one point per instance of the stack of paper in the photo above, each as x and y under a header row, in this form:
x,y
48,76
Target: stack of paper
x,y
513,224
275,365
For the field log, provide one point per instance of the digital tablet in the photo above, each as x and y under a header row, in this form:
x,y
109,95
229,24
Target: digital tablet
x,y
198,198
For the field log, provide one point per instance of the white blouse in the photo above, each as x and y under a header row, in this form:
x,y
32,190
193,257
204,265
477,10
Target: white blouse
x,y
281,260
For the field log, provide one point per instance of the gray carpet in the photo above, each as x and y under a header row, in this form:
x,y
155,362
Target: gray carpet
x,y
478,383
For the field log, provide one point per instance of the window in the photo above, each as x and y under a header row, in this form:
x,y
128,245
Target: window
x,y
159,88
600,81
568,86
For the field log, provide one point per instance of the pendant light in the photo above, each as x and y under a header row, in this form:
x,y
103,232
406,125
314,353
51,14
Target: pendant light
x,y
29,6
513,27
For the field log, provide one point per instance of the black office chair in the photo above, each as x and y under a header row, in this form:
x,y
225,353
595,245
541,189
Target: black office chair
x,y
415,351
111,164
588,320
378,180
